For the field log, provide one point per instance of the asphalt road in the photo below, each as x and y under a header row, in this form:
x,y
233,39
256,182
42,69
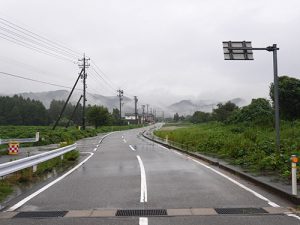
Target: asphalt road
x,y
126,171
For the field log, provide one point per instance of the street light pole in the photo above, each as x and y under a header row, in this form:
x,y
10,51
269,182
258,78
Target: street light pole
x,y
276,97
242,50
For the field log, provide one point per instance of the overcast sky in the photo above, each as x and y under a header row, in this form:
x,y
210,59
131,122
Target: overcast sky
x,y
160,50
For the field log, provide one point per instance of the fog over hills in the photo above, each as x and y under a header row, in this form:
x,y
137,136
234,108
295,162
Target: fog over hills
x,y
188,107
182,107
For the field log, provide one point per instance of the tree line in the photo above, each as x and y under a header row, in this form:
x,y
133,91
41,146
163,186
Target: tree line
x,y
17,110
260,111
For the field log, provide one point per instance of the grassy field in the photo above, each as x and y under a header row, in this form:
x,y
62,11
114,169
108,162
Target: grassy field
x,y
250,147
49,136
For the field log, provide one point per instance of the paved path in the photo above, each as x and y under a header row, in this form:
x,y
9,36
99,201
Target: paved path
x,y
128,172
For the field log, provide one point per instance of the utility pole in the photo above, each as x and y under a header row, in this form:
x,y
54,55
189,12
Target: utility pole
x,y
84,66
135,109
143,108
147,112
120,95
73,113
64,107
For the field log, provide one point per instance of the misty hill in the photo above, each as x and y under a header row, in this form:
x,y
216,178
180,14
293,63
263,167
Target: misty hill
x,y
188,107
108,101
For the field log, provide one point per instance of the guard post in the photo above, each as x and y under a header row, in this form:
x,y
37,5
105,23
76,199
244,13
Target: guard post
x,y
294,160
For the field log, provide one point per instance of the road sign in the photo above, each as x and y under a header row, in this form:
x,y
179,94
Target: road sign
x,y
230,53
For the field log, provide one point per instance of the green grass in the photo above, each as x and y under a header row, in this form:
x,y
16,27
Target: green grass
x,y
5,189
27,175
49,136
251,147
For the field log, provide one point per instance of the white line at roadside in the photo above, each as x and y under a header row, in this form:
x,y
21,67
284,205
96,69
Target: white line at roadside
x,y
144,196
132,148
22,202
178,153
293,215
237,183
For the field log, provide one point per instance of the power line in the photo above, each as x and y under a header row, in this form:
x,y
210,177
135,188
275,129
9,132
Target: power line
x,y
104,74
26,45
103,79
13,25
38,43
97,79
34,80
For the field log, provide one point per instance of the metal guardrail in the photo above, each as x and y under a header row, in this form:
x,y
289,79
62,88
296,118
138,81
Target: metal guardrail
x,y
21,140
11,167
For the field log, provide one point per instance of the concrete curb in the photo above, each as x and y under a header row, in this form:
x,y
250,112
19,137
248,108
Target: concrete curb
x,y
269,187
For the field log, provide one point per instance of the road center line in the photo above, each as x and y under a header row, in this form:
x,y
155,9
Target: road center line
x,y
132,148
273,204
144,196
143,221
22,202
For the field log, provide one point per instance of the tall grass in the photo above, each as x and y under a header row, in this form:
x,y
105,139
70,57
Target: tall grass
x,y
252,147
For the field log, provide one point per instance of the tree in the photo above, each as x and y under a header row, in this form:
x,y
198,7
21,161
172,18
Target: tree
x,y
200,117
176,117
259,112
289,97
224,111
116,116
98,115
19,111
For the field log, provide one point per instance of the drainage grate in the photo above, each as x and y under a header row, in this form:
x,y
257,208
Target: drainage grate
x,y
240,210
41,214
141,212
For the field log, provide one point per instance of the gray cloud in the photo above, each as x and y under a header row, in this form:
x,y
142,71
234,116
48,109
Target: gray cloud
x,y
161,51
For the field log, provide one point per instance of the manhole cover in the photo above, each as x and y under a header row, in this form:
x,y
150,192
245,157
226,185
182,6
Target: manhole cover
x,y
41,214
240,210
141,212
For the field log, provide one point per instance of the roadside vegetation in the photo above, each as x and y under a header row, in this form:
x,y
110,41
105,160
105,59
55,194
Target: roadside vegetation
x,y
246,136
49,136
24,177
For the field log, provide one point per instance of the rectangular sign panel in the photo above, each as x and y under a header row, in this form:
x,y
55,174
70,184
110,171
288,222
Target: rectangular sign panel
x,y
239,51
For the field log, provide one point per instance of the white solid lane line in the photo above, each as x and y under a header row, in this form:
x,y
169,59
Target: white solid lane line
x,y
22,202
178,153
293,215
143,221
144,196
237,183
132,148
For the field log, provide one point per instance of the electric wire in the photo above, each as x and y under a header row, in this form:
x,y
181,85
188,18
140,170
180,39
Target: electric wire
x,y
34,80
103,78
102,72
97,80
31,33
53,49
24,44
